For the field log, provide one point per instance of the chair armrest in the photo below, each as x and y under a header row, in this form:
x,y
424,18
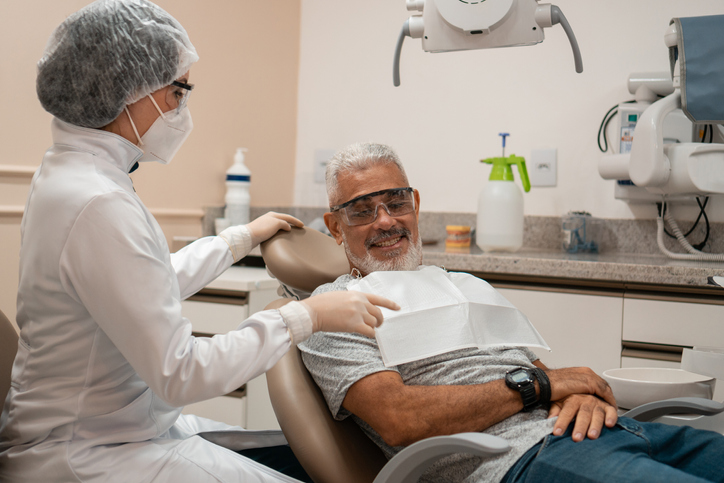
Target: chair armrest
x,y
678,405
409,464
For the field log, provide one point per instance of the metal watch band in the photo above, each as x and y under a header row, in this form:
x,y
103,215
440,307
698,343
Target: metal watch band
x,y
525,388
530,399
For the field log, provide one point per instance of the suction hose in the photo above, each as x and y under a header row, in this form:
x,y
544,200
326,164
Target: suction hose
x,y
693,255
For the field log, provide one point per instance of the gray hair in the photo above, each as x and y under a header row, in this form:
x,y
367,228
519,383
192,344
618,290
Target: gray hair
x,y
358,157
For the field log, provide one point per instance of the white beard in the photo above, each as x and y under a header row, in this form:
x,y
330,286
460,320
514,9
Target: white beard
x,y
394,262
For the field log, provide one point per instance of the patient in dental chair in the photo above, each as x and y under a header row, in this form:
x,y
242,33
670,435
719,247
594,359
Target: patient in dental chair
x,y
562,424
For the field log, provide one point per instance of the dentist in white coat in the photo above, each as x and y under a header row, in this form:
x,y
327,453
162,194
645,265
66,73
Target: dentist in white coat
x,y
106,359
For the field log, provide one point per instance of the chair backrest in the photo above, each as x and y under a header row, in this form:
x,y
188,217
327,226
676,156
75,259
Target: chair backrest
x,y
330,451
304,258
8,349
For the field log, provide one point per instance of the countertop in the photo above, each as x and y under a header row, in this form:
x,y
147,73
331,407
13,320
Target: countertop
x,y
555,266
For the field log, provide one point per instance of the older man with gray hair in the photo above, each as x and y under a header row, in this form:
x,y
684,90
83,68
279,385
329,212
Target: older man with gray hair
x,y
562,424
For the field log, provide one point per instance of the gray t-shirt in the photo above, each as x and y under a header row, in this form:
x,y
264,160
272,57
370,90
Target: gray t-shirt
x,y
338,360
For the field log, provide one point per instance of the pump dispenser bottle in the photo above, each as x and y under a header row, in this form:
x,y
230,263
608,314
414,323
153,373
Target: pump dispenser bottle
x,y
500,205
238,182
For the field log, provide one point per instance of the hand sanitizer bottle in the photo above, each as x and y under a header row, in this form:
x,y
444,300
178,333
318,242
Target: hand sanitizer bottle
x,y
238,182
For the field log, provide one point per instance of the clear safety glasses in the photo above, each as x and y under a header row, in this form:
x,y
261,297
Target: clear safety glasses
x,y
363,209
178,94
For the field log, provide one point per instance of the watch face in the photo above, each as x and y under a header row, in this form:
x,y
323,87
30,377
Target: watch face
x,y
520,376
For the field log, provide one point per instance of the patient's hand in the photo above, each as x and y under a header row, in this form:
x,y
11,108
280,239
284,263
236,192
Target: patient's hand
x,y
578,380
347,311
590,413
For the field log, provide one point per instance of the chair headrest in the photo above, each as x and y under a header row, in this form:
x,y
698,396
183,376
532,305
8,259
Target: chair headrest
x,y
304,258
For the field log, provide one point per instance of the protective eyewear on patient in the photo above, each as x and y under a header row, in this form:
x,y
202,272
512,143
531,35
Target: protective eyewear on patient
x,y
363,209
178,94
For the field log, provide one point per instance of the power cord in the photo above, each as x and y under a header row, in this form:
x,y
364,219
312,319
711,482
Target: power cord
x,y
702,212
604,126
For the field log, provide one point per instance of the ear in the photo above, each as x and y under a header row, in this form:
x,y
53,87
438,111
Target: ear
x,y
332,222
417,204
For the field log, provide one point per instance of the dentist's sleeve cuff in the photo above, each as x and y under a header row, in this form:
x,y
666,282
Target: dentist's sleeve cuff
x,y
239,240
299,323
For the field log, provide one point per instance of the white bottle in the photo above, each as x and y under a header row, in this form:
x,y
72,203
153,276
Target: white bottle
x,y
500,207
238,182
500,217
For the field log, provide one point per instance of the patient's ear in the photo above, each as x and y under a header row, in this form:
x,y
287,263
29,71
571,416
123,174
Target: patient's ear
x,y
332,222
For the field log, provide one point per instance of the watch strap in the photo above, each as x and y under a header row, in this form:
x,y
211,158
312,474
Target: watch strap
x,y
544,384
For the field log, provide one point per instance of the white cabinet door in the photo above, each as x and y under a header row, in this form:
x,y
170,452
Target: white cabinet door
x,y
581,329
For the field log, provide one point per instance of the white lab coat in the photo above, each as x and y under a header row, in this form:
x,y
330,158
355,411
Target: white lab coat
x,y
105,359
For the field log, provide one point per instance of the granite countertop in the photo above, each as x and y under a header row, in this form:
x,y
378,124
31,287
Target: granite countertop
x,y
602,269
630,257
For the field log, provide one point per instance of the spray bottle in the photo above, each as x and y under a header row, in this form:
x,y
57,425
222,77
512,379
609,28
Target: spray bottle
x,y
500,205
238,182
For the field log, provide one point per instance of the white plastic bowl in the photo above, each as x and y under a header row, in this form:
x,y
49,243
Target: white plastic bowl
x,y
634,386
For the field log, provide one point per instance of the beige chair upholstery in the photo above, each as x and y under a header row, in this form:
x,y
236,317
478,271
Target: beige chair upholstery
x,y
8,349
304,258
330,451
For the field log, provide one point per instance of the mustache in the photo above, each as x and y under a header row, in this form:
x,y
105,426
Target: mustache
x,y
397,231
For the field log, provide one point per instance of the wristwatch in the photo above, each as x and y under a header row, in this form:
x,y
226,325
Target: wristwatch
x,y
523,381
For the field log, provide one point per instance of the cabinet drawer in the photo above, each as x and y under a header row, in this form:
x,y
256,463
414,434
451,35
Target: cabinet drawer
x,y
673,322
214,318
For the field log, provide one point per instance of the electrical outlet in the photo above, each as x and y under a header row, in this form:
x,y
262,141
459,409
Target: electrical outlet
x,y
543,168
321,158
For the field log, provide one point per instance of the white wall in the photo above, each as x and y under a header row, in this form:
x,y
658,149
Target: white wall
x,y
448,111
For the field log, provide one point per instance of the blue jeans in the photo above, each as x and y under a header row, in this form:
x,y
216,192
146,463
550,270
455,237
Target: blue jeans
x,y
630,451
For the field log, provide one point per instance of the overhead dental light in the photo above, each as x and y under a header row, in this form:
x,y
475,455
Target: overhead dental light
x,y
451,25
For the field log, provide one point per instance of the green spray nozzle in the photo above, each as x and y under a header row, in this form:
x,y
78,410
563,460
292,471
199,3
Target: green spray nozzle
x,y
502,172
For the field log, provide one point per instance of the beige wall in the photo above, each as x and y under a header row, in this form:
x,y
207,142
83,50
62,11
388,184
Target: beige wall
x,y
449,109
246,95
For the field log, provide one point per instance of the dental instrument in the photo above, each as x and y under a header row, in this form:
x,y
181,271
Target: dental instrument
x,y
676,170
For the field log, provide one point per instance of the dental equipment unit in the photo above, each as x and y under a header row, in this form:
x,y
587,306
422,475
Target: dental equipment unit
x,y
678,168
452,25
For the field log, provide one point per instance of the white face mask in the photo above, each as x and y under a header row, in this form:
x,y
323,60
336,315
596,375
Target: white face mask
x,y
165,136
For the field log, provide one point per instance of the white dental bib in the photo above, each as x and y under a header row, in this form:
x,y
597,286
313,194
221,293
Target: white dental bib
x,y
442,312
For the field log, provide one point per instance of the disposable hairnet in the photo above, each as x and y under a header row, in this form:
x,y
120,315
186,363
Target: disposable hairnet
x,y
109,54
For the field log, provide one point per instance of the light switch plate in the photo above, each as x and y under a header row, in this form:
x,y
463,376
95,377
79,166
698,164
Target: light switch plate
x,y
321,158
543,167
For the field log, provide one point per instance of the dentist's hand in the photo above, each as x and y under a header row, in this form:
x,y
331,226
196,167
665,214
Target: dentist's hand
x,y
347,311
269,224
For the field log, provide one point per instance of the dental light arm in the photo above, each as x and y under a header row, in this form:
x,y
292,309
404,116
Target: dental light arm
x,y
452,25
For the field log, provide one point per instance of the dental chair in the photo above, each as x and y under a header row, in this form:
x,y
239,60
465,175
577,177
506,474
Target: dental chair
x,y
334,451
8,349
